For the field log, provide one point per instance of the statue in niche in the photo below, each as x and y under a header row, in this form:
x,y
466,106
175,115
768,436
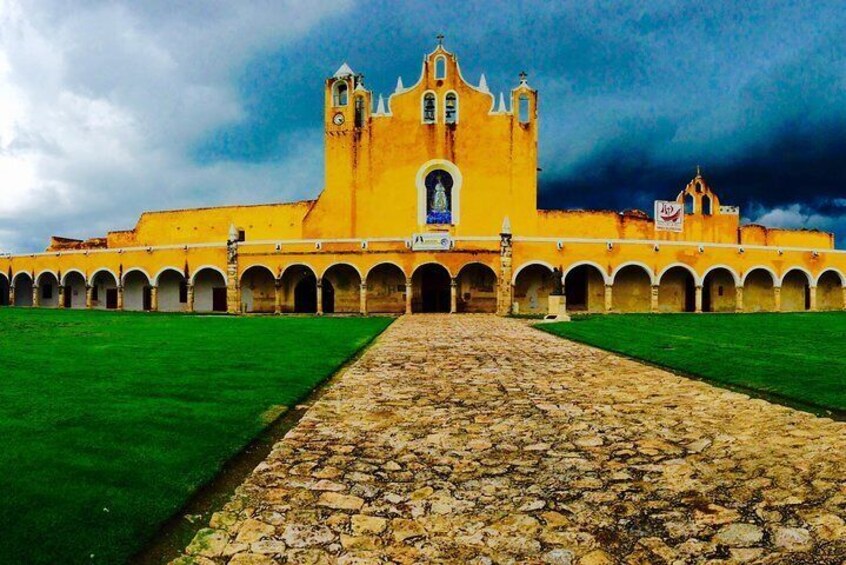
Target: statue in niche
x,y
439,198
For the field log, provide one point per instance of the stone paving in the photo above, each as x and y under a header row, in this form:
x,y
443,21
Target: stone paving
x,y
477,439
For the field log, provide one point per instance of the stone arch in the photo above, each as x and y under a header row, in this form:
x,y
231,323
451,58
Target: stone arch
x,y
258,290
75,285
299,289
23,289
796,290
430,284
386,289
533,283
171,290
455,191
652,279
70,272
137,291
830,285
632,288
5,287
677,289
131,270
476,285
104,291
719,289
209,289
759,290
773,276
341,290
584,286
48,289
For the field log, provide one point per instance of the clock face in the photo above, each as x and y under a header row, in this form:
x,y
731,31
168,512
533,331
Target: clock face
x,y
338,119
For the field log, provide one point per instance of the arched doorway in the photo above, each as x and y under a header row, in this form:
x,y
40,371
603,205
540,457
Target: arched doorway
x,y
258,290
759,293
341,289
632,290
476,288
431,289
677,290
74,283
795,291
830,291
299,290
584,286
209,291
719,291
23,289
104,291
386,289
532,287
172,291
48,290
137,293
4,290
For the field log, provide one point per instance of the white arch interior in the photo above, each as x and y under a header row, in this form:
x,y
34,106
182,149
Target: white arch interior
x,y
136,291
104,290
48,290
209,290
172,291
74,282
23,289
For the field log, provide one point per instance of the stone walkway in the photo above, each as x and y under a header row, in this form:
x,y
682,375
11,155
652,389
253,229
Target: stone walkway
x,y
477,439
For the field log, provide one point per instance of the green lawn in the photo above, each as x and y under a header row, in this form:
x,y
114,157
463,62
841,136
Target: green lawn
x,y
109,421
798,357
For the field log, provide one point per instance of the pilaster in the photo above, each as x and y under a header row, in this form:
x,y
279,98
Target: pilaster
x,y
89,296
505,290
813,295
319,297
609,298
189,306
36,298
277,296
698,299
61,296
154,299
408,295
362,299
12,295
453,296
739,299
120,297
777,296
653,298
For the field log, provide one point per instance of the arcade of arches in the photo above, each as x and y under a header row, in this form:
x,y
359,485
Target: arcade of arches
x,y
387,289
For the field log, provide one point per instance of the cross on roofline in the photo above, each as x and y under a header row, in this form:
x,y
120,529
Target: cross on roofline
x,y
440,38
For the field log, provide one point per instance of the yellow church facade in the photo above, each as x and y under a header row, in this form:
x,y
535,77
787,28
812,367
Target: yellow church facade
x,y
430,205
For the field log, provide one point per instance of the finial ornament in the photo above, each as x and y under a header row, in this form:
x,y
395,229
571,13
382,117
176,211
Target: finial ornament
x,y
440,38
523,76
698,171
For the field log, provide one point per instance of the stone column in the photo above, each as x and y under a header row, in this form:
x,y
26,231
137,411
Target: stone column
x,y
61,296
154,299
362,299
12,295
319,297
505,290
813,295
609,298
233,289
653,299
738,298
36,299
120,297
777,294
189,306
408,295
698,299
89,296
277,296
453,296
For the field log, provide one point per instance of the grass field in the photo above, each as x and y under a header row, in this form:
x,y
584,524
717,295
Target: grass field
x,y
109,421
798,357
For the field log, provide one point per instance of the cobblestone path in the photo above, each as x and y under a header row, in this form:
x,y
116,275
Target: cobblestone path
x,y
477,439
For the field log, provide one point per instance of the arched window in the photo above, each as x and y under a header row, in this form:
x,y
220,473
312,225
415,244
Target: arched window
x,y
429,108
689,204
707,205
340,93
523,109
439,197
440,68
359,111
451,108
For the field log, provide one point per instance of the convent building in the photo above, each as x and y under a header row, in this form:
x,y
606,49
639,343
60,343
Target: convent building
x,y
430,205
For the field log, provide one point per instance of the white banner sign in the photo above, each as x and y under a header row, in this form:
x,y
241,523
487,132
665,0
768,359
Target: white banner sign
x,y
669,216
431,242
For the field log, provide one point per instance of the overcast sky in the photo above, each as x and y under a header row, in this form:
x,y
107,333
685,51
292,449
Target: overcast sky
x,y
108,109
